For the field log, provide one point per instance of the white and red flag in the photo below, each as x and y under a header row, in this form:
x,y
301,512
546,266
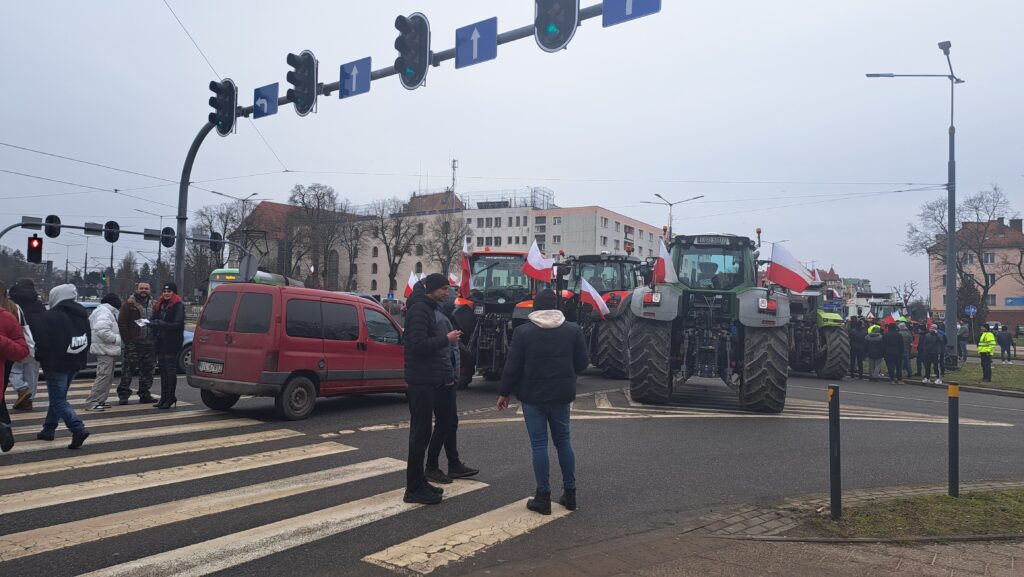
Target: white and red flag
x,y
536,266
664,272
786,271
589,295
413,279
466,282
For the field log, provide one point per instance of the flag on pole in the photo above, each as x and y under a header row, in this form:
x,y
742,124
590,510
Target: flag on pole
x,y
786,271
536,266
413,279
466,282
589,294
664,272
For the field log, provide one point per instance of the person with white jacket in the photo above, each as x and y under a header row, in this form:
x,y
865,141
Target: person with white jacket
x,y
106,345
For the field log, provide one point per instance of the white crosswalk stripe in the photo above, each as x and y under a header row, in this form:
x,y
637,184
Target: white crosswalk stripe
x,y
79,404
29,446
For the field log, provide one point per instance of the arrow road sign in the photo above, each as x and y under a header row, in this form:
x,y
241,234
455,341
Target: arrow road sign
x,y
971,310
355,78
619,11
264,101
476,43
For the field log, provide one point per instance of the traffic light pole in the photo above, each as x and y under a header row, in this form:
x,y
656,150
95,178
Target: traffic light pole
x,y
186,175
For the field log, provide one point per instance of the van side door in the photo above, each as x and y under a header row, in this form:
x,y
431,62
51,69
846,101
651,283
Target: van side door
x,y
302,342
385,353
342,348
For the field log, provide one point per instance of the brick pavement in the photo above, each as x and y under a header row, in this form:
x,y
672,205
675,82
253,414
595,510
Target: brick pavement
x,y
733,543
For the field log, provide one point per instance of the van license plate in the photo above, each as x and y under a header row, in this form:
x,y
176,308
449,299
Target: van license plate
x,y
211,368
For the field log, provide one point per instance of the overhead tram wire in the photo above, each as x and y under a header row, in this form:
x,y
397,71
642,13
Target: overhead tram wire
x,y
96,188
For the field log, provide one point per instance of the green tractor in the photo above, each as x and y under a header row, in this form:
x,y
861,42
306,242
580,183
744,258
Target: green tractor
x,y
818,340
714,321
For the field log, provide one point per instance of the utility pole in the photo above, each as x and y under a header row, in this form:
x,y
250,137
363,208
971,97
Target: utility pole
x,y
110,281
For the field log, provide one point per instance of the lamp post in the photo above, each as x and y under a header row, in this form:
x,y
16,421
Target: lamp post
x,y
159,245
666,202
951,310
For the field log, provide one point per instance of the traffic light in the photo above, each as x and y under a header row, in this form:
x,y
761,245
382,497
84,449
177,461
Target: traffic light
x,y
111,231
225,105
52,227
35,249
555,23
413,45
216,243
303,80
167,237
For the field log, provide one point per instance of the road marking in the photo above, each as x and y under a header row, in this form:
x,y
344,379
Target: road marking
x,y
111,421
464,539
601,401
943,401
55,537
69,493
32,446
131,455
40,412
245,546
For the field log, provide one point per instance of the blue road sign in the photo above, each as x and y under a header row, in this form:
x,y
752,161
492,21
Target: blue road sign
x,y
355,78
971,310
476,43
618,11
264,101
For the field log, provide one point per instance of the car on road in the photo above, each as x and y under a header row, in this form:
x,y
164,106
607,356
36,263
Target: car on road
x,y
293,344
184,357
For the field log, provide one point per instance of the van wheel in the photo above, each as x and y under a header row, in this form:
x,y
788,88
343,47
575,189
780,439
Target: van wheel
x,y
218,402
295,401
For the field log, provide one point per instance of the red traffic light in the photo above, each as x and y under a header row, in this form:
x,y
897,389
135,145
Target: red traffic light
x,y
35,249
34,242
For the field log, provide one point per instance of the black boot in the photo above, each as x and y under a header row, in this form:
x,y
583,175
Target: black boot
x,y
568,499
541,502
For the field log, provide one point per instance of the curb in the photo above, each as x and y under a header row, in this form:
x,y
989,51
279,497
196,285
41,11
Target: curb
x,y
841,540
973,389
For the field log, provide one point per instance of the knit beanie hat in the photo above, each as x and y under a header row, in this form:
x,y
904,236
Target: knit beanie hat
x,y
545,301
434,281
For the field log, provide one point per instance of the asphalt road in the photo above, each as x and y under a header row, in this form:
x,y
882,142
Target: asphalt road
x,y
192,492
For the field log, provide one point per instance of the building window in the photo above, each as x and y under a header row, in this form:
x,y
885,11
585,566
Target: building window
x,y
419,228
968,258
375,252
419,268
479,241
510,222
373,285
509,240
479,223
616,244
354,269
604,241
650,252
469,222
650,236
557,239
489,222
618,226
556,220
990,278
497,241
604,222
419,250
540,220
988,258
373,268
489,241
990,300
541,228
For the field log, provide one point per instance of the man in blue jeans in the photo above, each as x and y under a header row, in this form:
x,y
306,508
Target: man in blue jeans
x,y
545,356
61,348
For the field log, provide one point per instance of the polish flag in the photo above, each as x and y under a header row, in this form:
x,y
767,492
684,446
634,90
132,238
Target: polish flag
x,y
413,279
466,282
589,295
452,279
786,271
536,266
664,272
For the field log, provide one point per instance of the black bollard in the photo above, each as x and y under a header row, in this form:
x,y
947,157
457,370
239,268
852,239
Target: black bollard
x,y
954,439
835,477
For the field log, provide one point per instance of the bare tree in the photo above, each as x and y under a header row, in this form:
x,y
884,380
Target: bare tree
x,y
199,260
352,235
906,292
221,218
445,234
124,280
976,226
320,224
396,230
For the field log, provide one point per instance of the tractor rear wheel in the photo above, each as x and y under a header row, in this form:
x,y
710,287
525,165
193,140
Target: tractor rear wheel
x,y
834,360
612,355
763,382
650,366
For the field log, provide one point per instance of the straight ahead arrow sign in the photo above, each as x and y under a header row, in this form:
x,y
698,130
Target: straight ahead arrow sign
x,y
475,37
476,43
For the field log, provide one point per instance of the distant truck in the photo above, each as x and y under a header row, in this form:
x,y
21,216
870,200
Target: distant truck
x,y
872,306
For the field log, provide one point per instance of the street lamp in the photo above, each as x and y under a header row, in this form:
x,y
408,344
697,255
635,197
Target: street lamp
x,y
670,205
951,310
159,245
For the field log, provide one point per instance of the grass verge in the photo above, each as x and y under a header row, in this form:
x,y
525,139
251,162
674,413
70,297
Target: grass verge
x,y
1006,377
990,513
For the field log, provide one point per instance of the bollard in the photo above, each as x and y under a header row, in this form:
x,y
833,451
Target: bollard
x,y
835,478
954,439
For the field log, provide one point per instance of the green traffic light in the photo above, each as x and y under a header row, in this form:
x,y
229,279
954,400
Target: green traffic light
x,y
409,71
552,29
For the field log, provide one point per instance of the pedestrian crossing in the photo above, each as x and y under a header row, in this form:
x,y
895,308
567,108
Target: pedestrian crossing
x,y
211,470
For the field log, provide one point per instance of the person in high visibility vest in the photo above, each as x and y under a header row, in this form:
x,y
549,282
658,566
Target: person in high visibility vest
x,y
986,345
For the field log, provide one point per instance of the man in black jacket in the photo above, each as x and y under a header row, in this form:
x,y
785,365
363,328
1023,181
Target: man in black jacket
x,y
62,347
427,367
545,356
931,348
857,349
892,350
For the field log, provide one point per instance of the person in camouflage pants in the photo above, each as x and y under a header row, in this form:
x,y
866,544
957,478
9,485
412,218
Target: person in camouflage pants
x,y
139,348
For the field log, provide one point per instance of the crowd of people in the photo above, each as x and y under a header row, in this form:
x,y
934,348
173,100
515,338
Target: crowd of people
x,y
57,338
895,343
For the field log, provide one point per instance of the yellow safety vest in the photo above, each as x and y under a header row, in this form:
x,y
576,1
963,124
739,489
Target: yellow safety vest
x,y
986,343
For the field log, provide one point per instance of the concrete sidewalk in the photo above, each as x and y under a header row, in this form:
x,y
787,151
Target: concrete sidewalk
x,y
728,544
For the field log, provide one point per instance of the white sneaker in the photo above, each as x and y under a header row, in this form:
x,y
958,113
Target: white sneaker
x,y
938,381
97,407
925,381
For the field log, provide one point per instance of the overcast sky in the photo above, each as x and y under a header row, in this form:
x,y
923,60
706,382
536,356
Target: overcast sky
x,y
762,107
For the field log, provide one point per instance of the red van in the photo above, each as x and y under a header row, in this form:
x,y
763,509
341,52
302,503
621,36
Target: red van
x,y
293,344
